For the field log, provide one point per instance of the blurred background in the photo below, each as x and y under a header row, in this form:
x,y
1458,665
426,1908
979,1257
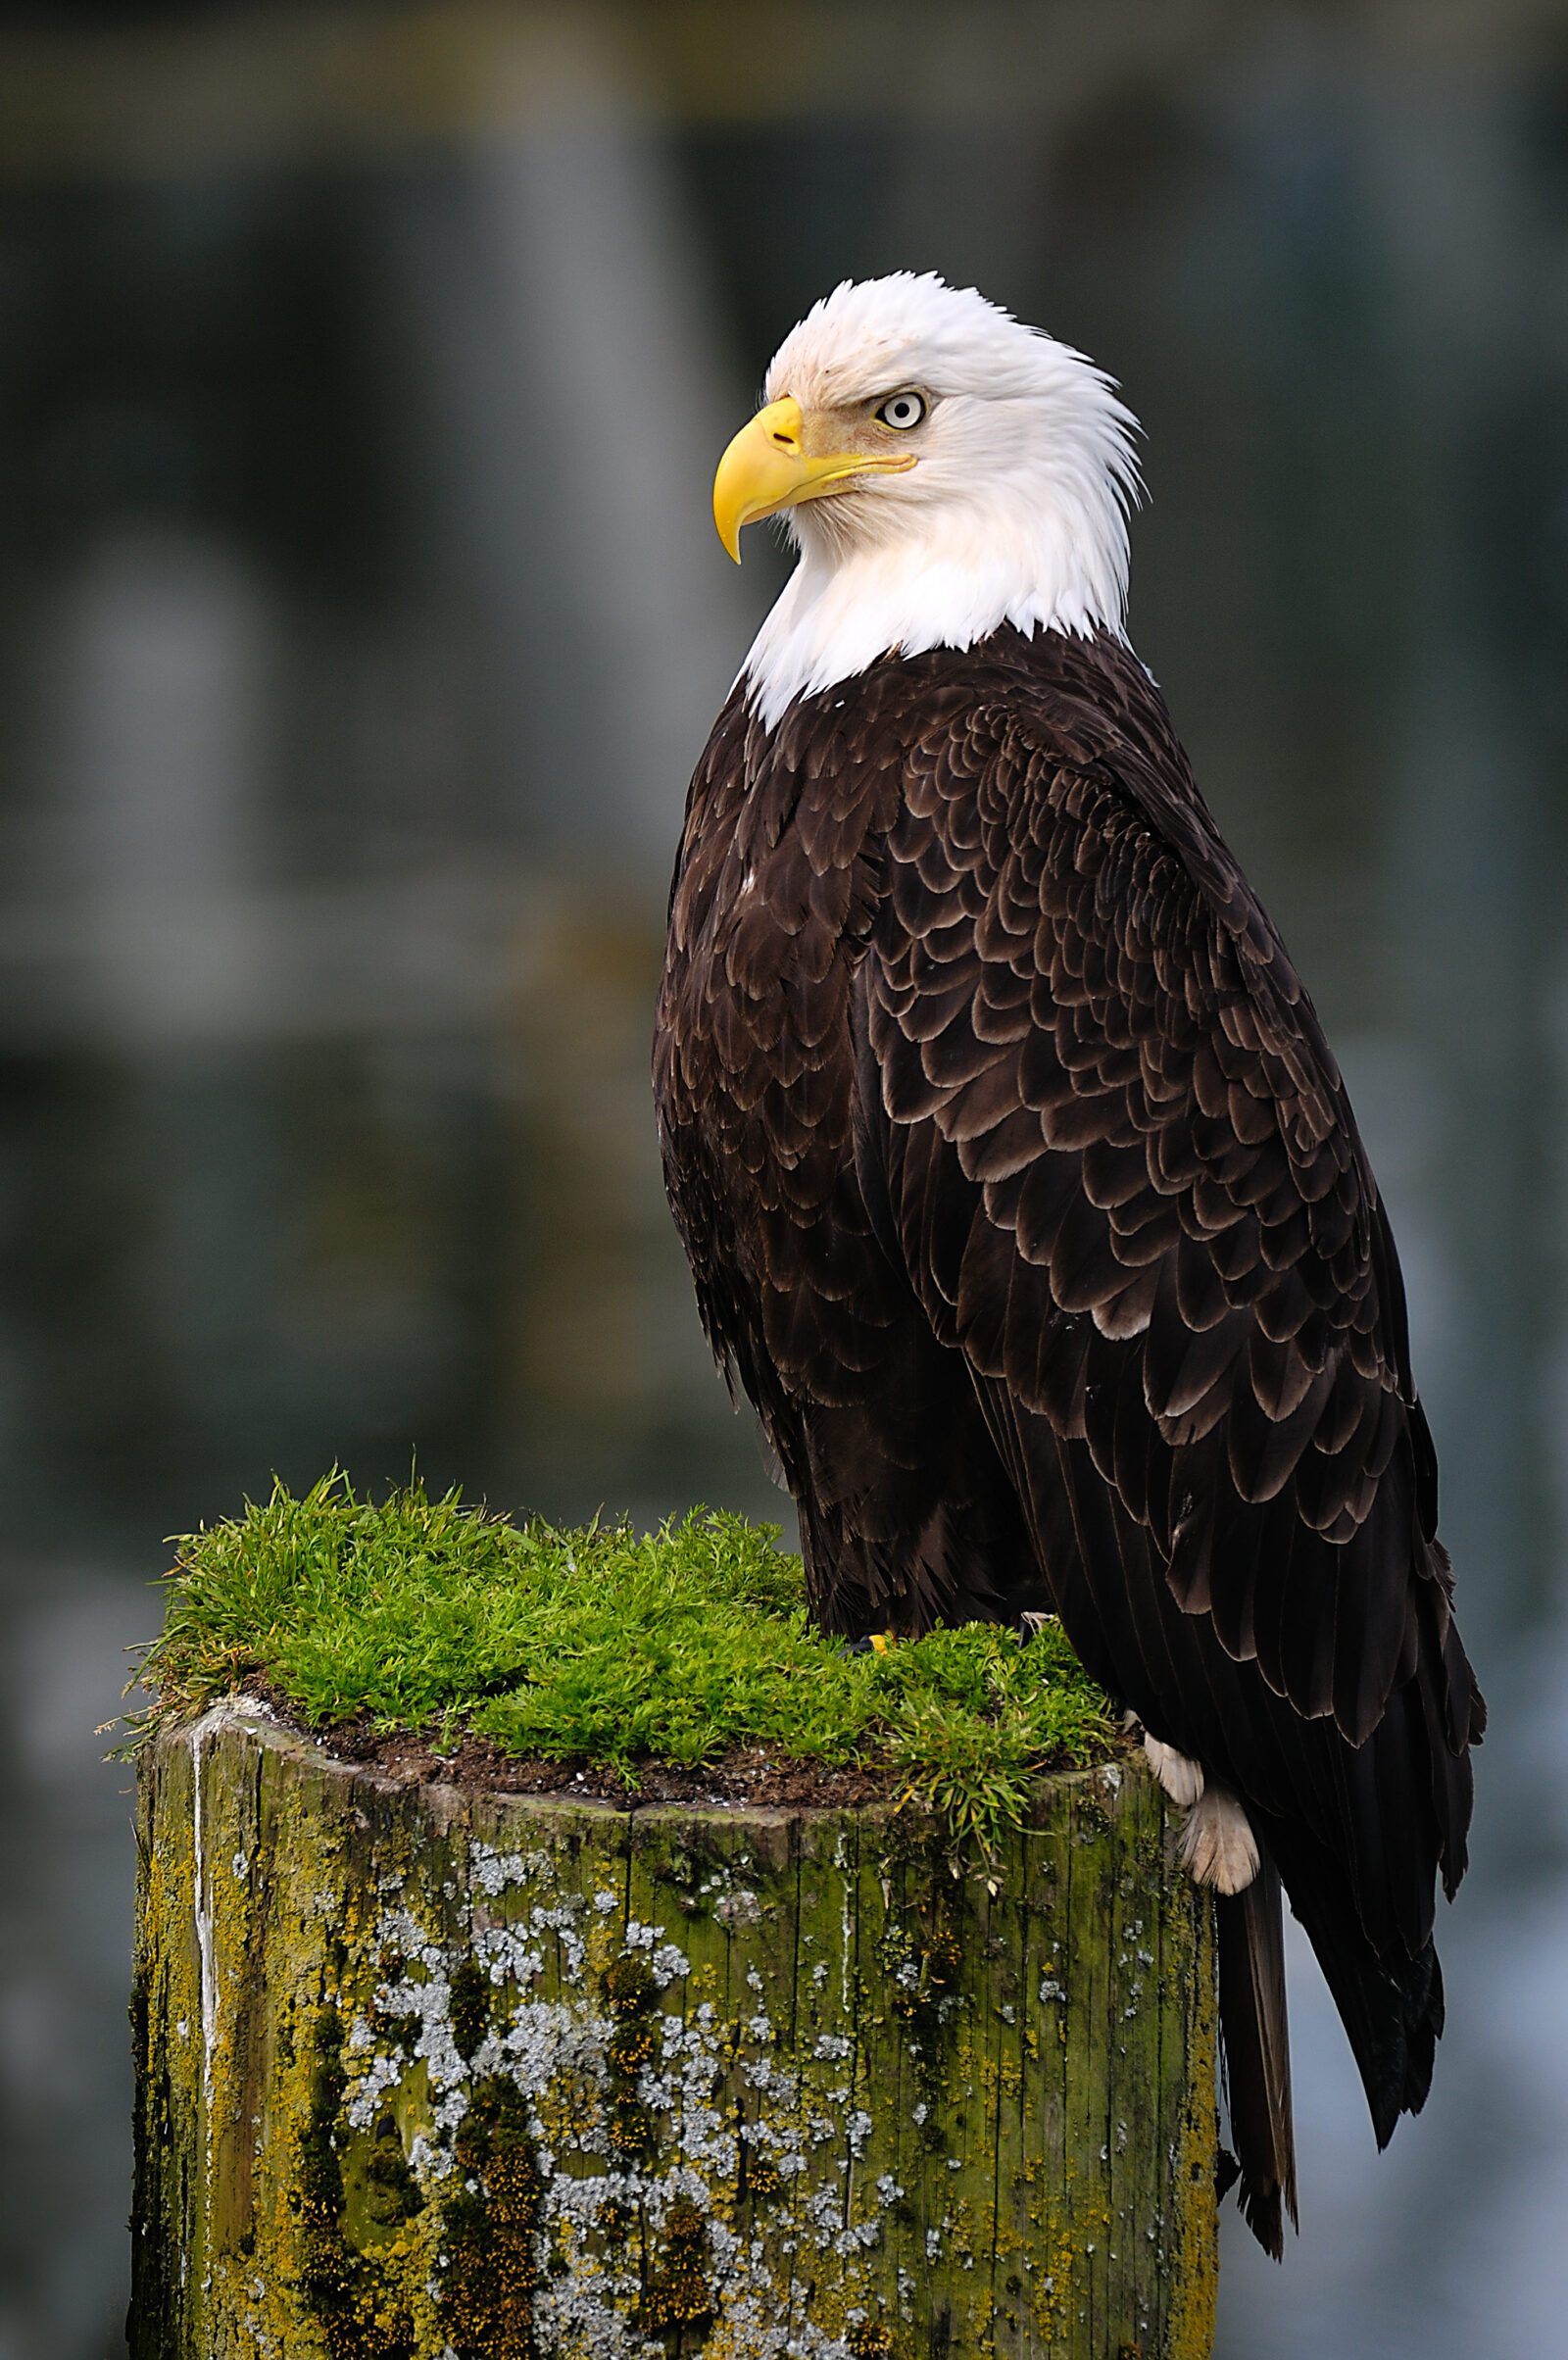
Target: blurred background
x,y
362,372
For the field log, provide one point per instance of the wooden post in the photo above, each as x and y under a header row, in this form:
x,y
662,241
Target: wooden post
x,y
425,2071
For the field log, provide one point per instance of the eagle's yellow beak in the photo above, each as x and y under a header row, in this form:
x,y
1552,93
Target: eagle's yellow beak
x,y
770,466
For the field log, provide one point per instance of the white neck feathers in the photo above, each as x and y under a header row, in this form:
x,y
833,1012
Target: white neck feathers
x,y
1015,513
838,613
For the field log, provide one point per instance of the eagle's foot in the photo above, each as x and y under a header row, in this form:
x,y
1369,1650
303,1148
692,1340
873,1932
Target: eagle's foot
x,y
1180,1775
871,1642
1030,1625
1217,1846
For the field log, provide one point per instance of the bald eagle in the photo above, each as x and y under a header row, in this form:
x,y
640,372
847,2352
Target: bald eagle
x,y
1020,1187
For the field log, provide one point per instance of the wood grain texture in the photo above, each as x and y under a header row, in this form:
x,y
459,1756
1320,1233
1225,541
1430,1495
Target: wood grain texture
x,y
425,2071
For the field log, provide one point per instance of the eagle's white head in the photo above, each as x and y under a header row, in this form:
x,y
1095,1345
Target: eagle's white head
x,y
942,470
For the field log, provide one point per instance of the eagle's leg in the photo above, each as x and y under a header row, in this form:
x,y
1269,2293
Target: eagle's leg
x,y
1217,1845
909,1522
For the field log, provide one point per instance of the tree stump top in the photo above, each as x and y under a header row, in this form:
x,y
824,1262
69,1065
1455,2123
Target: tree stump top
x,y
904,2047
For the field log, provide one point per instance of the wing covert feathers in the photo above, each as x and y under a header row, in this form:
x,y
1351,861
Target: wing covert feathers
x,y
1006,1146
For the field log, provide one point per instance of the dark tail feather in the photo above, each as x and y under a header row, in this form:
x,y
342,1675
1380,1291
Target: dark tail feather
x,y
1255,2041
1394,2022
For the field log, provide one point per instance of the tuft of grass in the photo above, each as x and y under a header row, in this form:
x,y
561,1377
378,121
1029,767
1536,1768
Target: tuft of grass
x,y
601,1644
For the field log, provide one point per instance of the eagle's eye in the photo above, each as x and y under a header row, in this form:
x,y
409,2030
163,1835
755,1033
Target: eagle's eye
x,y
902,411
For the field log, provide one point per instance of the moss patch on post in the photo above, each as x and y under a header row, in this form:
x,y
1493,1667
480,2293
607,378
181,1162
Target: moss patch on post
x,y
922,2063
604,1648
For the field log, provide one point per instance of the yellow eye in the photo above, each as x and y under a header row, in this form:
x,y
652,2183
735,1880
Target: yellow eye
x,y
902,411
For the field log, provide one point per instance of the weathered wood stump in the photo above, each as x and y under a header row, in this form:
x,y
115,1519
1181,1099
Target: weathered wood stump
x,y
427,2072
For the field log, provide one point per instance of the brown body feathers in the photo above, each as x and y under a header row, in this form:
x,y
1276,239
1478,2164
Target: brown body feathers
x,y
1023,1199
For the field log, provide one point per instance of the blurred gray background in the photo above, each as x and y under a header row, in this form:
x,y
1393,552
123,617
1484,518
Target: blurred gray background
x,y
362,371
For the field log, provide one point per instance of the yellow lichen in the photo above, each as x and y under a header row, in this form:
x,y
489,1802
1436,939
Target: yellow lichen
x,y
464,2078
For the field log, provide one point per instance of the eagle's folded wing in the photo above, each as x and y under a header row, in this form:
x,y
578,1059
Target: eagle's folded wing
x,y
1107,1141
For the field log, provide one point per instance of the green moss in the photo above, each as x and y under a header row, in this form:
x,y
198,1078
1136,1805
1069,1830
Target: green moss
x,y
679,2289
872,2340
603,1646
337,2285
492,2263
631,1995
470,2008
389,2193
628,1985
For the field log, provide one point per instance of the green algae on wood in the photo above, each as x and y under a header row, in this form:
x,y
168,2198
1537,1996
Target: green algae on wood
x,y
425,2073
